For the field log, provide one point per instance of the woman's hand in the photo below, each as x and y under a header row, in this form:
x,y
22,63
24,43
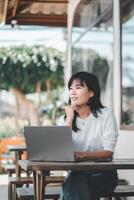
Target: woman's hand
x,y
79,155
70,114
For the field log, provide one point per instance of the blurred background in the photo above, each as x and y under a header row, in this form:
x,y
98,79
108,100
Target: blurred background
x,y
31,79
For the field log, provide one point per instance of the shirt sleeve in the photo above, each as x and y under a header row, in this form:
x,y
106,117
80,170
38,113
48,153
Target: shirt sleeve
x,y
109,131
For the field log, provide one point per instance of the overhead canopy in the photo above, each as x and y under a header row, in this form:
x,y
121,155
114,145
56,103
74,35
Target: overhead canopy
x,y
34,12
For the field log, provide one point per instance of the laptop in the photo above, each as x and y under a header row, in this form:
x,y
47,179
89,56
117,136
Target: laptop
x,y
49,143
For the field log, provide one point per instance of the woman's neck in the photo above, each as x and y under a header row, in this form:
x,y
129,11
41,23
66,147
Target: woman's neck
x,y
84,111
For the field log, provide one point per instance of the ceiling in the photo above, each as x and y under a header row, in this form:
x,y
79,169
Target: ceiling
x,y
34,12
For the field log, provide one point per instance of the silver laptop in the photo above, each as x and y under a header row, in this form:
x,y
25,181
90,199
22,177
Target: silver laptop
x,y
49,143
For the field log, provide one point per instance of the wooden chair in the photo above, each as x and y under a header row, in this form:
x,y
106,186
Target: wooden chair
x,y
18,181
15,182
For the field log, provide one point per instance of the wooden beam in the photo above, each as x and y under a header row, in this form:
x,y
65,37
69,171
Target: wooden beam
x,y
15,5
4,12
44,1
43,20
19,9
20,5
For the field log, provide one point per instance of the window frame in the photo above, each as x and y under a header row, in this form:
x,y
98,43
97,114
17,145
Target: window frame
x,y
122,126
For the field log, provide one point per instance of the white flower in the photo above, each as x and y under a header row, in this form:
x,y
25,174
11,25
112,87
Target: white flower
x,y
24,65
44,58
38,64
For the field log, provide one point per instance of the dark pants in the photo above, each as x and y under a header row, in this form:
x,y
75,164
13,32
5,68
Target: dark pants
x,y
89,185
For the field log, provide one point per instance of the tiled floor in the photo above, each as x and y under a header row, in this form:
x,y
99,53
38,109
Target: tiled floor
x,y
3,187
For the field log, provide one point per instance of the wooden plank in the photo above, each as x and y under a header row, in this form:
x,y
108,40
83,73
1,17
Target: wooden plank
x,y
44,1
45,20
20,8
86,165
26,193
4,12
123,191
15,5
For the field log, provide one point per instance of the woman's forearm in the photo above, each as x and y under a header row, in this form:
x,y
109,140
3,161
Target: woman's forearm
x,y
93,155
69,122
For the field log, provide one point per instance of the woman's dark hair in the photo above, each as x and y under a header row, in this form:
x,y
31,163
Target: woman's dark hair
x,y
92,83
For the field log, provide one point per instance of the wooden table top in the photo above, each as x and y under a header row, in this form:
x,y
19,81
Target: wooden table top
x,y
84,165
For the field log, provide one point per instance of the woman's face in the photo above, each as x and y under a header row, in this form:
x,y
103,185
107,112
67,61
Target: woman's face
x,y
79,94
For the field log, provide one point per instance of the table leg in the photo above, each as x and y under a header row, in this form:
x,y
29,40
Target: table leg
x,y
42,186
35,185
39,185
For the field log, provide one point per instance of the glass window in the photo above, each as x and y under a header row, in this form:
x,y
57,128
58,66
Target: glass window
x,y
127,19
92,42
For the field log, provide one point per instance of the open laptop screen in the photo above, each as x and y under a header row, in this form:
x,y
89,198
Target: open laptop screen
x,y
49,143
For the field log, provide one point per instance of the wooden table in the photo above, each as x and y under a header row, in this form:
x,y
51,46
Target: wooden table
x,y
19,150
39,169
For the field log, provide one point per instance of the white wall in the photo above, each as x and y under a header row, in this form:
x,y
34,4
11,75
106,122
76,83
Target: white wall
x,y
125,149
125,145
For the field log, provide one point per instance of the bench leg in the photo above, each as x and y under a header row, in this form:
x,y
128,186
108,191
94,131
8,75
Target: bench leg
x,y
9,191
12,191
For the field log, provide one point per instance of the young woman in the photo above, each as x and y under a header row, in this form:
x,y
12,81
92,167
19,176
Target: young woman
x,y
94,133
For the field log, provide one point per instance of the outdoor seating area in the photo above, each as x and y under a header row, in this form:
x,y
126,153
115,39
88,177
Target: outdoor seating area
x,y
122,190
24,186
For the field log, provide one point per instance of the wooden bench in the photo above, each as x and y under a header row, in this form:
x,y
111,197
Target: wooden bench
x,y
54,192
14,182
27,193
123,191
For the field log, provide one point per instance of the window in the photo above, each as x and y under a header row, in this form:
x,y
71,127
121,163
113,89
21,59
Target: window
x,y
127,106
92,43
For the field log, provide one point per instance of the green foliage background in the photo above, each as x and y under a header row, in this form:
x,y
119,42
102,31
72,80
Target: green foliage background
x,y
22,67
